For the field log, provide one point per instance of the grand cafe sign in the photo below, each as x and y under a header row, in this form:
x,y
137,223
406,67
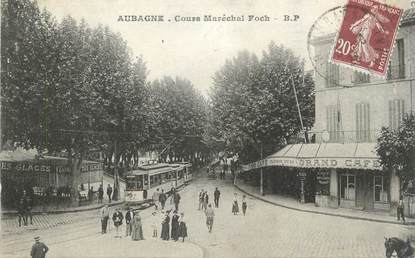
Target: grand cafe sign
x,y
352,163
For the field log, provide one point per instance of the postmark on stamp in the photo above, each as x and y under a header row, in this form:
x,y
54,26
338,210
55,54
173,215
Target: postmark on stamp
x,y
366,36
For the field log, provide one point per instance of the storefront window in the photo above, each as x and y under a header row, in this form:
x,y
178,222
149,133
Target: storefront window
x,y
380,188
347,187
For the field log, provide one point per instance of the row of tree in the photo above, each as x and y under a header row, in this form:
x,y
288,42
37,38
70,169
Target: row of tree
x,y
69,87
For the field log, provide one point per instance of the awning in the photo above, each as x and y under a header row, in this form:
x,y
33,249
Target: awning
x,y
323,155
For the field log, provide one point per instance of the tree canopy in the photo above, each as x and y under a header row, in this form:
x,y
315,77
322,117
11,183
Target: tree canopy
x,y
396,149
254,103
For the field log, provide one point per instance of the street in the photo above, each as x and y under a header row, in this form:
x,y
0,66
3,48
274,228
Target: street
x,y
265,231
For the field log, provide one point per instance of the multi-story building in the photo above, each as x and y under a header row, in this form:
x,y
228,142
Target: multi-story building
x,y
352,107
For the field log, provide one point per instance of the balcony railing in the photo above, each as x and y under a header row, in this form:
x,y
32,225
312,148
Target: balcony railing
x,y
344,136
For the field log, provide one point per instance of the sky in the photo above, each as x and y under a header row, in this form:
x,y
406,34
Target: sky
x,y
196,50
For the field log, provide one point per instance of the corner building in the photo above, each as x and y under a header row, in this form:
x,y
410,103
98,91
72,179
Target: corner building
x,y
351,108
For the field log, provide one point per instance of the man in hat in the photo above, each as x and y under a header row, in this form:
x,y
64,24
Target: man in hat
x,y
39,249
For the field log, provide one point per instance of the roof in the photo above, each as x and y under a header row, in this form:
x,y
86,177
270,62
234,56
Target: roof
x,y
151,169
323,155
30,156
408,17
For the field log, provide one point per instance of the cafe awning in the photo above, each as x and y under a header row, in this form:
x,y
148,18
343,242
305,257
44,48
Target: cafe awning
x,y
323,155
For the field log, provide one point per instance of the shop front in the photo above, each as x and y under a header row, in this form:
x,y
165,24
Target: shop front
x,y
335,175
44,179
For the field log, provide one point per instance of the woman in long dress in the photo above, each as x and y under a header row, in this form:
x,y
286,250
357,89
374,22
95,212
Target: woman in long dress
x,y
165,227
137,233
182,227
235,206
175,226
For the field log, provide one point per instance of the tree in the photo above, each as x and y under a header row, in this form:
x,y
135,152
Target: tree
x,y
396,149
178,118
254,106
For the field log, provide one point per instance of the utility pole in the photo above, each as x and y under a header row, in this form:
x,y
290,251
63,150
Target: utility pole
x,y
116,193
261,189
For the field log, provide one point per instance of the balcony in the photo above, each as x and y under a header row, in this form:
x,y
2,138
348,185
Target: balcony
x,y
344,136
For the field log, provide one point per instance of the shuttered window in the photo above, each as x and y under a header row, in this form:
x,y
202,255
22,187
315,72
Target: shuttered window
x,y
396,113
333,75
362,122
333,123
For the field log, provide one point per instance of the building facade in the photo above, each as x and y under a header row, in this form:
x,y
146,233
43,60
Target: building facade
x,y
339,167
352,107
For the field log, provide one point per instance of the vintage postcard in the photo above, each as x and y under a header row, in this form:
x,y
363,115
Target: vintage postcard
x,y
220,128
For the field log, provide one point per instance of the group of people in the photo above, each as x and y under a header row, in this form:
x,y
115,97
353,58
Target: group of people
x,y
235,205
160,198
209,211
132,220
178,226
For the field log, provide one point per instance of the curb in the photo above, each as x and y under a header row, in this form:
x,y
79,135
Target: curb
x,y
66,211
322,212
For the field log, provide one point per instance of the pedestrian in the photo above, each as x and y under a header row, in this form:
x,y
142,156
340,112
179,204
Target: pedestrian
x,y
182,227
137,229
91,194
162,199
21,212
39,249
210,214
216,196
172,192
117,218
175,226
129,216
100,193
244,205
176,200
155,197
165,228
400,210
109,192
235,206
201,199
205,200
24,207
105,214
154,223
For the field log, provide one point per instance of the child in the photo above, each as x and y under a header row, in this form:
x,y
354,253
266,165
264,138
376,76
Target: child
x,y
154,223
244,205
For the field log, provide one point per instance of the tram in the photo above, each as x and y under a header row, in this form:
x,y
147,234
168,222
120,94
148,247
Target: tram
x,y
144,180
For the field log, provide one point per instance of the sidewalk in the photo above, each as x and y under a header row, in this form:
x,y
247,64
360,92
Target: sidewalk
x,y
63,207
291,203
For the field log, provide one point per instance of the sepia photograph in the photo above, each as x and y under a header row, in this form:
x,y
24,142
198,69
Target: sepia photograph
x,y
207,129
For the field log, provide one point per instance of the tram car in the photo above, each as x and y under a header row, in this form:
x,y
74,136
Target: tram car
x,y
144,180
188,173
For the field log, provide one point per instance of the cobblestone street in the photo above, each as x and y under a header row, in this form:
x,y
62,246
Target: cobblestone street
x,y
266,231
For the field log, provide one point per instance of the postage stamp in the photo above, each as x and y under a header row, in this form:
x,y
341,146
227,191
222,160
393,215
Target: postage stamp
x,y
366,37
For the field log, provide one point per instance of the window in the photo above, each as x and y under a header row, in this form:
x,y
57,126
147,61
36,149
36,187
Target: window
x,y
333,123
380,188
332,72
396,113
347,187
360,77
363,122
396,69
